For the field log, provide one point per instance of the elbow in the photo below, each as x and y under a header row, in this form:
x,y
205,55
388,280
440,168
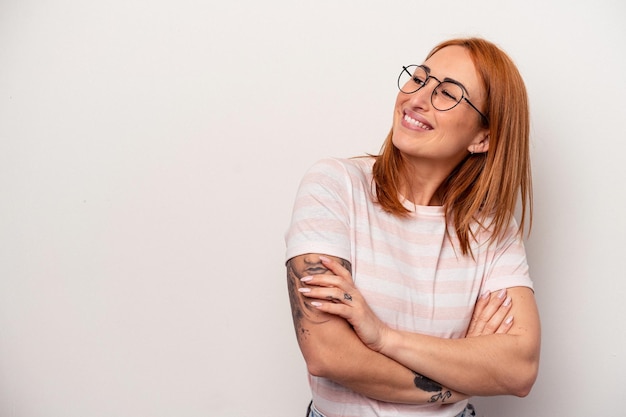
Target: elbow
x,y
524,374
317,363
315,369
322,368
328,352
523,390
524,381
328,362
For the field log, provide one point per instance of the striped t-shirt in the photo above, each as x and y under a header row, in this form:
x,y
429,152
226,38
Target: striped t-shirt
x,y
410,271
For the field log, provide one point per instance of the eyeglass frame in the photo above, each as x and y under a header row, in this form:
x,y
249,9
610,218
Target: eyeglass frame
x,y
428,77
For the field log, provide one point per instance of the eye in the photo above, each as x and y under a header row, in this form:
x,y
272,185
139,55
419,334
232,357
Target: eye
x,y
418,80
412,78
450,91
448,94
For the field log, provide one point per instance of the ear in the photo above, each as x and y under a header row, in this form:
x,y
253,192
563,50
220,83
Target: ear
x,y
481,144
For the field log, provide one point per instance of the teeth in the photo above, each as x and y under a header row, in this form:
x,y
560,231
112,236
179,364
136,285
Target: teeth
x,y
416,122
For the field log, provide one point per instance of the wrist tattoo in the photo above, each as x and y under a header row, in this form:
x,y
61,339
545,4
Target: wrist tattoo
x,y
428,385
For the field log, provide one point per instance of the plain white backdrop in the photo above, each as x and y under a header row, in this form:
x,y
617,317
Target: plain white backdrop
x,y
150,151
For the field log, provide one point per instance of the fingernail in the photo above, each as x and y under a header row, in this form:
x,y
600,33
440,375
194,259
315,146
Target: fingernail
x,y
316,304
306,279
507,302
508,320
324,259
502,293
304,289
485,294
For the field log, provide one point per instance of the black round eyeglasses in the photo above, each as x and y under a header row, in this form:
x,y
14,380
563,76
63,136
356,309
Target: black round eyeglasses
x,y
445,96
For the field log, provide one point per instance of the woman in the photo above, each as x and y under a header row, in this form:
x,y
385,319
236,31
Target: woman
x,y
407,273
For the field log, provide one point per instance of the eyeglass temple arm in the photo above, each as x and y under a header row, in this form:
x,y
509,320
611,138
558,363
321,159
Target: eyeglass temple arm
x,y
474,107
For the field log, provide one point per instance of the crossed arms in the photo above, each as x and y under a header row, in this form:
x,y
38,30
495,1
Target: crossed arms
x,y
344,342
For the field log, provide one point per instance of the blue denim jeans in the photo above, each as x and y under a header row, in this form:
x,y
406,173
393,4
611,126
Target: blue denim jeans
x,y
468,412
312,412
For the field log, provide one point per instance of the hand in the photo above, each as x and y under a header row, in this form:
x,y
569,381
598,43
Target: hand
x,y
491,315
336,294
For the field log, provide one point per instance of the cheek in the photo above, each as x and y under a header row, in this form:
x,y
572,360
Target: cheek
x,y
462,128
400,100
457,135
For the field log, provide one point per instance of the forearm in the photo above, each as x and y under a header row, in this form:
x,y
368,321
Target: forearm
x,y
339,355
493,364
477,366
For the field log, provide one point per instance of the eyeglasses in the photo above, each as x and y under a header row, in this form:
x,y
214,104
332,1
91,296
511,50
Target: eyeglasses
x,y
446,95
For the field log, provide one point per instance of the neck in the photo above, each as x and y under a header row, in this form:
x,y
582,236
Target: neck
x,y
421,184
422,195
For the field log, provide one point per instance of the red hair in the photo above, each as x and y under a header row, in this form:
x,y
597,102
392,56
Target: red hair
x,y
484,185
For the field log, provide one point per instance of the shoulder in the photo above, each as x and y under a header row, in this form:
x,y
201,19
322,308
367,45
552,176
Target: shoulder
x,y
340,171
352,166
484,229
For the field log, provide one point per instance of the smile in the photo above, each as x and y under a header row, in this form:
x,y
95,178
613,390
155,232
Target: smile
x,y
416,123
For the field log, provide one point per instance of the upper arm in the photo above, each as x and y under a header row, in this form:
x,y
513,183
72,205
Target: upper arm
x,y
330,346
307,319
509,269
527,333
526,320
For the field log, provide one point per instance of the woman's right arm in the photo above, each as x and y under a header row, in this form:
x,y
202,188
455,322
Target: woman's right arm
x,y
332,349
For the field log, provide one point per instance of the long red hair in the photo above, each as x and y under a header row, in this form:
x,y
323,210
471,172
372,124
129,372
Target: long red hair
x,y
486,185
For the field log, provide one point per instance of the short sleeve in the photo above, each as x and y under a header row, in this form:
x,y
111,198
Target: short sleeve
x,y
320,220
507,266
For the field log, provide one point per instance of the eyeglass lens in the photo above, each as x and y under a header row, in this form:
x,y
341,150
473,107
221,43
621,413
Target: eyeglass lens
x,y
444,97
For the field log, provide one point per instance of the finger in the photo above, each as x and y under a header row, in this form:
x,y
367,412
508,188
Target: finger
x,y
505,326
332,294
498,318
336,268
483,312
337,309
326,280
481,303
487,315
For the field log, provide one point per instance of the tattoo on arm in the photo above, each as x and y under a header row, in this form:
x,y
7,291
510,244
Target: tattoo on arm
x,y
299,308
428,385
299,267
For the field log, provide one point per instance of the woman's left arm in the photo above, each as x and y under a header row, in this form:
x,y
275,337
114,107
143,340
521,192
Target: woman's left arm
x,y
494,364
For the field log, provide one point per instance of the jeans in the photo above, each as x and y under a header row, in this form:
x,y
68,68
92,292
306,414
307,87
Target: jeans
x,y
468,412
312,412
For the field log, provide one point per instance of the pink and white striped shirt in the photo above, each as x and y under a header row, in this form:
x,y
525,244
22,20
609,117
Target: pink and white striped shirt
x,y
409,270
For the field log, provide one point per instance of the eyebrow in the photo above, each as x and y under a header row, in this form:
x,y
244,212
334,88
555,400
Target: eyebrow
x,y
447,79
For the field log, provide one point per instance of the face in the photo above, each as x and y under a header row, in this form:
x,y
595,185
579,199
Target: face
x,y
442,138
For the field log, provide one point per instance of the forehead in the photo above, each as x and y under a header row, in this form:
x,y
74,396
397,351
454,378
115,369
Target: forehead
x,y
456,63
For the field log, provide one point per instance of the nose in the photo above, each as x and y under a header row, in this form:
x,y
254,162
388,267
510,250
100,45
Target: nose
x,y
422,97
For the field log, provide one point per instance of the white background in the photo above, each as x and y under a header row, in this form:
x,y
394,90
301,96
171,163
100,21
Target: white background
x,y
149,155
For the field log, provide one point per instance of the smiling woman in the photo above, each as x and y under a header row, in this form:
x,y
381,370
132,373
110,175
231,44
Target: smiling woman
x,y
430,128
473,186
407,272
